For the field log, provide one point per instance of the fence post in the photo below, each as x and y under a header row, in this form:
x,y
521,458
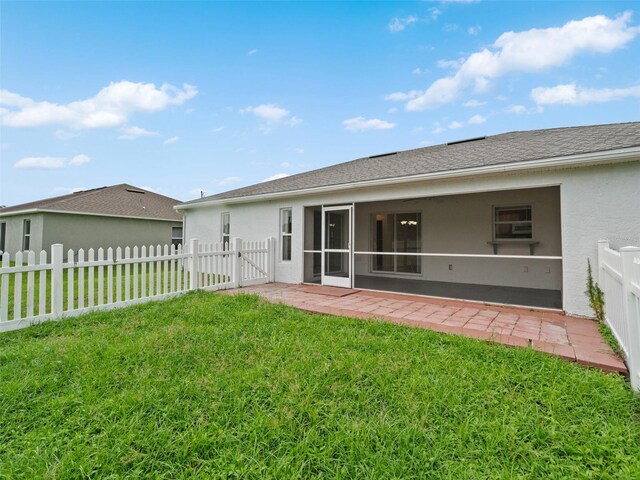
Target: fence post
x,y
271,259
195,274
236,270
56,280
632,318
602,244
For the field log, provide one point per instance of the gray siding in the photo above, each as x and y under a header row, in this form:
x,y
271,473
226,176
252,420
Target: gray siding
x,y
86,231
15,232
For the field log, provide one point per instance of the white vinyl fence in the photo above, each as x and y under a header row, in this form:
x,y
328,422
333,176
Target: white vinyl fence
x,y
619,278
34,288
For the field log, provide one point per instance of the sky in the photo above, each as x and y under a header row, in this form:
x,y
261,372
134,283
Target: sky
x,y
185,97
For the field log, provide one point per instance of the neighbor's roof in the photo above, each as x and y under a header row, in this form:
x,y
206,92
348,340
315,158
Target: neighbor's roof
x,y
505,148
118,200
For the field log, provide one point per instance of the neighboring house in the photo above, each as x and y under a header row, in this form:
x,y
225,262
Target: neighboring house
x,y
509,218
115,216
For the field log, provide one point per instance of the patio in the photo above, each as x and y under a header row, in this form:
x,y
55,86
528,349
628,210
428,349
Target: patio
x,y
571,338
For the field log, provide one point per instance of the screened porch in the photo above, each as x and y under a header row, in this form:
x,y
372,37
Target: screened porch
x,y
501,246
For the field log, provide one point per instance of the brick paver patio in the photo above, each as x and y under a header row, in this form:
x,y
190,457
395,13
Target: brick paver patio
x,y
571,338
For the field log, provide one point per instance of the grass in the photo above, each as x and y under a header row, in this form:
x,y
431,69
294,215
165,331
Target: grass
x,y
610,338
158,276
211,386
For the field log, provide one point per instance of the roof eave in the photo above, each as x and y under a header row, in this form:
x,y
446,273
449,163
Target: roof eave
x,y
608,156
31,211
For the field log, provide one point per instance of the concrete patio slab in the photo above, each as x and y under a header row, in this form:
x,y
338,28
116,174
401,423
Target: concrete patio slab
x,y
570,338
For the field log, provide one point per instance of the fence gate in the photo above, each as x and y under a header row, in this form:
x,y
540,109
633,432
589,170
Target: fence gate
x,y
34,289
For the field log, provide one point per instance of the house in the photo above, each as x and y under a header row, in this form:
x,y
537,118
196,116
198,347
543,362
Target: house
x,y
509,218
116,216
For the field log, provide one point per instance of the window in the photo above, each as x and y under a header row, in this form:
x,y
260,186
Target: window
x,y
285,233
176,236
26,234
396,233
513,223
3,234
226,230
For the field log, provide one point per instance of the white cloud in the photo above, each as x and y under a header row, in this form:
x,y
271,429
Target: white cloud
x,y
171,140
218,129
474,30
49,163
4,146
460,1
516,109
299,151
454,125
65,135
110,107
529,51
476,120
451,27
474,104
361,124
402,96
569,94
252,52
277,176
228,181
435,13
197,192
392,110
285,164
68,190
418,71
189,111
131,133
450,64
79,160
437,128
398,24
272,115
41,162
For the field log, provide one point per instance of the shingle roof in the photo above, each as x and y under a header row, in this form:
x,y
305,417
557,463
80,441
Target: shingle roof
x,y
119,200
499,149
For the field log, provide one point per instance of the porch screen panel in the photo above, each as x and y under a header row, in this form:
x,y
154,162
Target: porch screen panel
x,y
407,240
396,233
383,242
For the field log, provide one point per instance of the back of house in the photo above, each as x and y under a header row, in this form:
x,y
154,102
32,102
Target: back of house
x,y
509,218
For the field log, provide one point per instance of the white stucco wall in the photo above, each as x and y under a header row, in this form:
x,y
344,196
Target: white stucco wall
x,y
596,202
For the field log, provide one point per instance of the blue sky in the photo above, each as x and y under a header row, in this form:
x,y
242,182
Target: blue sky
x,y
183,97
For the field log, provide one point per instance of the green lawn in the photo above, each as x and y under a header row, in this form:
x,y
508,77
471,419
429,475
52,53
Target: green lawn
x,y
158,275
211,386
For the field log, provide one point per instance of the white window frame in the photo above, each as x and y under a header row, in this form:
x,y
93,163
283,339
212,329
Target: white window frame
x,y
516,206
227,235
285,234
26,237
